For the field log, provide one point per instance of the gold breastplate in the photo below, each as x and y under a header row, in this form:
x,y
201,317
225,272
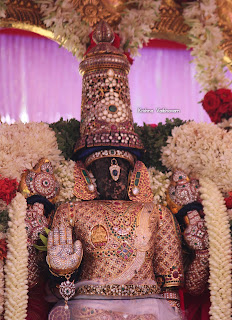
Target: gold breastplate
x,y
117,238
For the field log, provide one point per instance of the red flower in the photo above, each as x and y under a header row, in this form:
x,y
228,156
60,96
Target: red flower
x,y
153,125
117,40
3,249
228,202
224,94
211,102
8,189
127,54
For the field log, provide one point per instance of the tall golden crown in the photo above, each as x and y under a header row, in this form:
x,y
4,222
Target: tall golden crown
x,y
106,116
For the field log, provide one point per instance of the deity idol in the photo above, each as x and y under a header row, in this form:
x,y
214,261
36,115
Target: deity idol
x,y
126,249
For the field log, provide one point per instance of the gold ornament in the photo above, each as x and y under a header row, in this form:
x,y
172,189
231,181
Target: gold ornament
x,y
114,170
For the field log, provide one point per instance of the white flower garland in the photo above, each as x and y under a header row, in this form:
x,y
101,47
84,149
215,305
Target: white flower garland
x,y
65,22
202,149
135,27
206,37
65,176
225,124
159,182
2,280
1,288
22,145
16,272
217,222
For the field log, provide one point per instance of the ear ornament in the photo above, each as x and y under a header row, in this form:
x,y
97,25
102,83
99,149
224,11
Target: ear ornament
x,y
139,185
84,189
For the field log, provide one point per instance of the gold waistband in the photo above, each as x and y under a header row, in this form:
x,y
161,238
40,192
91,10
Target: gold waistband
x,y
118,290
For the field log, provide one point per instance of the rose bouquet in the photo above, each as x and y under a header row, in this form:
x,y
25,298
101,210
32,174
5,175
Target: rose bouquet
x,y
218,104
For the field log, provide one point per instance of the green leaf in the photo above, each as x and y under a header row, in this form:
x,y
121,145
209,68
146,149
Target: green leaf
x,y
47,230
44,239
40,248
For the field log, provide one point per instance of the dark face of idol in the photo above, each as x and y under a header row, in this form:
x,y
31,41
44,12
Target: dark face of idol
x,y
108,188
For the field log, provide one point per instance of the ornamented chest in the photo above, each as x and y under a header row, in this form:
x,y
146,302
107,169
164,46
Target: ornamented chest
x,y
112,228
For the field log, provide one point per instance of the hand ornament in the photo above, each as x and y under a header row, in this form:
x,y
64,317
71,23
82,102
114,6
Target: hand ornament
x,y
195,234
63,256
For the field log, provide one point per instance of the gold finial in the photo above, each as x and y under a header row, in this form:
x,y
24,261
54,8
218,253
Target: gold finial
x,y
103,33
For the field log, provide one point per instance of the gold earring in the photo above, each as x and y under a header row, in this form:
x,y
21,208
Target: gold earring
x,y
114,169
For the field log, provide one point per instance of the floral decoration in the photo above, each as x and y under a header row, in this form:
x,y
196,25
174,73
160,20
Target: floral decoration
x,y
217,223
140,19
218,104
25,144
159,182
64,174
16,287
3,253
1,289
226,124
206,38
61,18
3,248
8,188
228,201
2,8
203,150
65,22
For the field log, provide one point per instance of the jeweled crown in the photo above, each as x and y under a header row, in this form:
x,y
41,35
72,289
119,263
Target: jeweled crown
x,y
106,116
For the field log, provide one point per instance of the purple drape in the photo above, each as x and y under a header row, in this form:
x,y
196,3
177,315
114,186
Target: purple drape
x,y
40,82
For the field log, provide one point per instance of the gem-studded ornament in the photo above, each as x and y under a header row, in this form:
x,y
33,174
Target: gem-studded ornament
x,y
40,181
67,290
114,170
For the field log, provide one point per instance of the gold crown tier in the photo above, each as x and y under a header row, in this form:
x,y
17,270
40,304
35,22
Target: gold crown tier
x,y
106,116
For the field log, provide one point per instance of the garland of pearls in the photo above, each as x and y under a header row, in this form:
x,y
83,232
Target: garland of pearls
x,y
206,38
16,283
217,222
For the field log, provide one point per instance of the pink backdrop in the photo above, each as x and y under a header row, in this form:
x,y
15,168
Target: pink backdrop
x,y
40,82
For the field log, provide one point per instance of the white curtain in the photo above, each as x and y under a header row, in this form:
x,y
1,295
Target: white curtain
x,y
40,82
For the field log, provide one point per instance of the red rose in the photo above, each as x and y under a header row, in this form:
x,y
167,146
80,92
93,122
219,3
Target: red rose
x,y
227,109
3,249
224,94
153,125
215,117
8,189
211,102
228,202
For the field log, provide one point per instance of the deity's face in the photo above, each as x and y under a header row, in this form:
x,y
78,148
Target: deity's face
x,y
106,186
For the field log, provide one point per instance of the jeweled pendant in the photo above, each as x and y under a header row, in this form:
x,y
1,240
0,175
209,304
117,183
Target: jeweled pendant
x,y
114,169
67,291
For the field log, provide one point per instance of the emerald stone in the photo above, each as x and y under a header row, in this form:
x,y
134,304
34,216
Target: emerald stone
x,y
84,173
136,182
112,108
138,175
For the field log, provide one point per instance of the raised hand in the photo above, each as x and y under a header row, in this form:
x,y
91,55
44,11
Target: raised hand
x,y
195,234
63,255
